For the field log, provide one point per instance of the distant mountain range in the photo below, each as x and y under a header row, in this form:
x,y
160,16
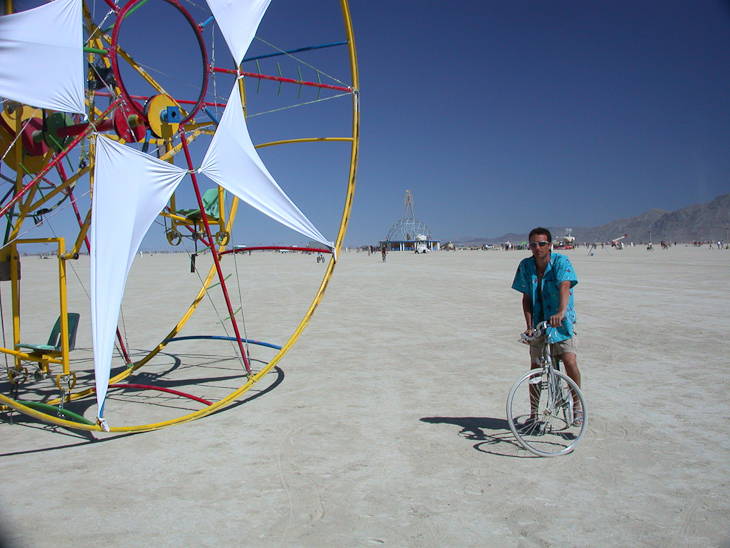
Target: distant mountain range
x,y
697,222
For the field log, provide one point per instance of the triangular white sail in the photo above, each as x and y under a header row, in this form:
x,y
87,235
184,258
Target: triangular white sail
x,y
130,190
42,57
233,163
238,21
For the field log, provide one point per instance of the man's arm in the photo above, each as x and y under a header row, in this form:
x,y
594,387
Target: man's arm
x,y
564,295
527,311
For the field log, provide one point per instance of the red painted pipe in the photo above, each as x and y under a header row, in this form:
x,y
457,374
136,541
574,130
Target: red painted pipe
x,y
276,248
214,252
285,80
160,389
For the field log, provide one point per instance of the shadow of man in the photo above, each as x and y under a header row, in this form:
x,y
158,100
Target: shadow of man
x,y
472,428
493,435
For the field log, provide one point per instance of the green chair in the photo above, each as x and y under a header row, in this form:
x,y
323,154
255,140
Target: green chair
x,y
54,346
210,205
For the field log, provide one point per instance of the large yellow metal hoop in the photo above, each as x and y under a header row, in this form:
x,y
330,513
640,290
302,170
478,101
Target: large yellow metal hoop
x,y
253,379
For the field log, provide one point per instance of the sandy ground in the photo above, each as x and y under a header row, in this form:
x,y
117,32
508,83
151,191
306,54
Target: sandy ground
x,y
385,424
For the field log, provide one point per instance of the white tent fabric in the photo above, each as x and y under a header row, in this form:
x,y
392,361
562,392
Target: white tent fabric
x,y
238,21
233,163
130,190
42,57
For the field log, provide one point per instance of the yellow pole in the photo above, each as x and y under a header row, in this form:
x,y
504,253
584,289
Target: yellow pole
x,y
355,125
82,234
15,291
24,207
63,305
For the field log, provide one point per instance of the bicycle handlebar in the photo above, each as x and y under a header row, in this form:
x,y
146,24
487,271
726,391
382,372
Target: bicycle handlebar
x,y
540,329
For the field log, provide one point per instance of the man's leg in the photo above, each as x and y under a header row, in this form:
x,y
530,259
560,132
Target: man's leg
x,y
570,361
535,355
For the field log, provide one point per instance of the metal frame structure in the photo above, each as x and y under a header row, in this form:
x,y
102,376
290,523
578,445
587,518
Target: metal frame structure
x,y
24,202
403,235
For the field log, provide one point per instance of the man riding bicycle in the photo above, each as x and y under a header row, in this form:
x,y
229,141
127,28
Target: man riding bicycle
x,y
546,280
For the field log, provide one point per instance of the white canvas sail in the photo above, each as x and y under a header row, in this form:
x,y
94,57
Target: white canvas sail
x,y
238,21
130,190
42,57
233,163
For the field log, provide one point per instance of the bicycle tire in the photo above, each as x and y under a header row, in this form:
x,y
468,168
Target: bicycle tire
x,y
545,426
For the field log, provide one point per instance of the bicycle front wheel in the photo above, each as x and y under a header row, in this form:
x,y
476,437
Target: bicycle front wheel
x,y
542,412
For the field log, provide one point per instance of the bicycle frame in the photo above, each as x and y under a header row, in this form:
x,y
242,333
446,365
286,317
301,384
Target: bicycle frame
x,y
550,384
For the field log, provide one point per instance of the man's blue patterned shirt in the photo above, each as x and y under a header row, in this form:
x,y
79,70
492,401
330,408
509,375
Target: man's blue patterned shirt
x,y
558,270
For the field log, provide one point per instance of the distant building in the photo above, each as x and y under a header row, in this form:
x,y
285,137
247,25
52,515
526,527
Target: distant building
x,y
409,234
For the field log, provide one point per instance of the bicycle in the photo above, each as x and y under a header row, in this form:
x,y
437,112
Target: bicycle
x,y
545,408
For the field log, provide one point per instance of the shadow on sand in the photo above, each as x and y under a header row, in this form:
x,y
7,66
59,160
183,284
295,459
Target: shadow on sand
x,y
493,435
86,437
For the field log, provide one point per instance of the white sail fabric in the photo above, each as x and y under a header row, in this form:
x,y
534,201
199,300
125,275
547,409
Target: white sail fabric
x,y
233,163
130,190
42,57
238,21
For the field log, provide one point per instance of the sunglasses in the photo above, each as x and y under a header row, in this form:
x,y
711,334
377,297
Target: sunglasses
x,y
541,244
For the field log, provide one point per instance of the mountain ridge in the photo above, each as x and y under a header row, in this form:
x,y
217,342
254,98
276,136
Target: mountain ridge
x,y
706,222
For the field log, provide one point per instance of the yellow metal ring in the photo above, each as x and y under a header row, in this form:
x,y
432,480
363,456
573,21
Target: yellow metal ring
x,y
251,379
13,372
223,237
173,237
69,379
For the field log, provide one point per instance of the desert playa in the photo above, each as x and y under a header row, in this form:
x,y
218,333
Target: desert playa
x,y
385,424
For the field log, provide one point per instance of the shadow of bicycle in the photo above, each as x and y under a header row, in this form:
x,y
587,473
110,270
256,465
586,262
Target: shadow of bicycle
x,y
493,435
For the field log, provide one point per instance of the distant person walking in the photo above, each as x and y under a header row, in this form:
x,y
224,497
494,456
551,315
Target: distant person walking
x,y
384,252
546,282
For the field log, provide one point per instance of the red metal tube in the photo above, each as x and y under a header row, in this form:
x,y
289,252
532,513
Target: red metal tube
x,y
277,248
285,80
77,129
111,4
181,101
161,389
214,252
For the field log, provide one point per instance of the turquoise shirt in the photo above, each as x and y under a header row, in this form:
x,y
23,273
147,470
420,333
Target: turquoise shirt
x,y
558,270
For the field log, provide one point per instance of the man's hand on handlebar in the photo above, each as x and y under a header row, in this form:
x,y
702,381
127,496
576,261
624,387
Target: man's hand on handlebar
x,y
527,335
556,320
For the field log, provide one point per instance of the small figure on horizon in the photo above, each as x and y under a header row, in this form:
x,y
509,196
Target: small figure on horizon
x,y
384,252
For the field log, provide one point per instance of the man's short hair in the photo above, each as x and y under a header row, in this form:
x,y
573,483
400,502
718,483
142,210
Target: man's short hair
x,y
540,230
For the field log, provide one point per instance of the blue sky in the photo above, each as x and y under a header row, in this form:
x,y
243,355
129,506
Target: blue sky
x,y
500,116
497,115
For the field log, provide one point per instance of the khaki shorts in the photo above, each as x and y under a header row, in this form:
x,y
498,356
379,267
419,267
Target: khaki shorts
x,y
556,349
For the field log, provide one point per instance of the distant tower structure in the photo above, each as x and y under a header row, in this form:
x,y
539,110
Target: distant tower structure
x,y
409,204
409,234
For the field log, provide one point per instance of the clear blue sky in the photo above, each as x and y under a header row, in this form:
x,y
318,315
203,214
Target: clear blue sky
x,y
498,115
503,115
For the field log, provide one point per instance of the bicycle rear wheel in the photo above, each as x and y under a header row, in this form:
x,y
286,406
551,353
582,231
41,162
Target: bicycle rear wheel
x,y
540,413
